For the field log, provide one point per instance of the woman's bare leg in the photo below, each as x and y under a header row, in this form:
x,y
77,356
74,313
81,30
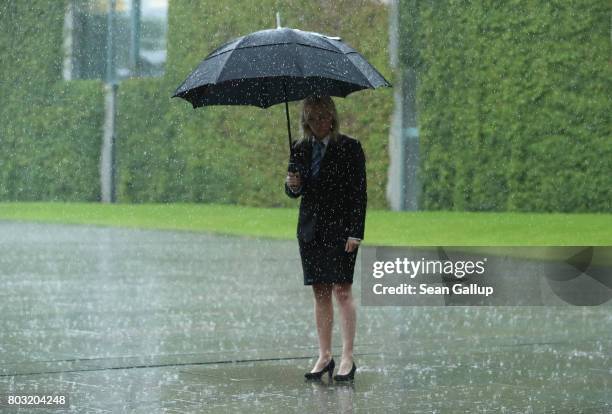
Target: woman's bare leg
x,y
344,297
324,317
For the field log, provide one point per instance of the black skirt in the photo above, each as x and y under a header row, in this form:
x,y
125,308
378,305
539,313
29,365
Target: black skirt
x,y
327,262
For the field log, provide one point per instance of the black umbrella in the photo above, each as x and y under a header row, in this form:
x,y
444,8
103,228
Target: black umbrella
x,y
272,66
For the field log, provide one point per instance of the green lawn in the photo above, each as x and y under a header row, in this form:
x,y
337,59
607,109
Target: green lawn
x,y
382,227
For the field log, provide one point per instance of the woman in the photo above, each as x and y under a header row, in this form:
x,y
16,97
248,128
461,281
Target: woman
x,y
329,175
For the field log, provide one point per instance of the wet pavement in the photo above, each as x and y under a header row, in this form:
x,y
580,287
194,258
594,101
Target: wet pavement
x,y
158,321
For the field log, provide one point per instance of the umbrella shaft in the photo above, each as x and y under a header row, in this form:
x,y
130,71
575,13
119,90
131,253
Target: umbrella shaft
x,y
288,126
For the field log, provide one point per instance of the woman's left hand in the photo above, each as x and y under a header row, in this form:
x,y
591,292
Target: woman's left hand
x,y
351,245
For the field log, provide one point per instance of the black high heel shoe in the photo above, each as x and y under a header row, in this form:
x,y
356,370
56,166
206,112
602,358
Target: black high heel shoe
x,y
329,368
347,377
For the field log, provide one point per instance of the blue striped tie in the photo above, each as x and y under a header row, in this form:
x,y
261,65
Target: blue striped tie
x,y
317,156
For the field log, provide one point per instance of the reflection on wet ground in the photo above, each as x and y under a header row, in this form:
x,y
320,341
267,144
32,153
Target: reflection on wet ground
x,y
159,321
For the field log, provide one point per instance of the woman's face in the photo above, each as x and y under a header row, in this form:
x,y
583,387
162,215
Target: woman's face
x,y
319,121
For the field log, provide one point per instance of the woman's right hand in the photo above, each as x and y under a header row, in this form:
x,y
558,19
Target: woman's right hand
x,y
293,180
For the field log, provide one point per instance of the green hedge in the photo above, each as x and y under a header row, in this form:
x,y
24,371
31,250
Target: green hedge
x,y
512,96
49,129
239,154
513,104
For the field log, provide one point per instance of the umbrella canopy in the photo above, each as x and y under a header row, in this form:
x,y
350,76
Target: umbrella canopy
x,y
272,66
278,65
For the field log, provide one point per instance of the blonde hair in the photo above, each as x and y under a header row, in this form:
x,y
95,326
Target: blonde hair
x,y
327,104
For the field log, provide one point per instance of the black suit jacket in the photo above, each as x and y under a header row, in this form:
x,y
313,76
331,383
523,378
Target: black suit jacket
x,y
333,204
